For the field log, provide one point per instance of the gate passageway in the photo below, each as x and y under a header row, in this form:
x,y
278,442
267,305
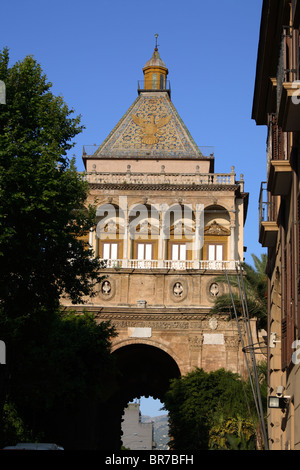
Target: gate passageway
x,y
145,371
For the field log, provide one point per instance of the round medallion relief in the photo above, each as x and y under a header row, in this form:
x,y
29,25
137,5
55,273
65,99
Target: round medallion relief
x,y
213,323
107,288
178,290
214,290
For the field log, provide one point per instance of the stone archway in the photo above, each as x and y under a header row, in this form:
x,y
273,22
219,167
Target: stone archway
x,y
145,370
160,345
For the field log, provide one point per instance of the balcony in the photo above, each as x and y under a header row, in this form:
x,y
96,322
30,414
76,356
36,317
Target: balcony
x,y
288,82
178,265
280,177
148,85
289,109
296,13
268,228
223,179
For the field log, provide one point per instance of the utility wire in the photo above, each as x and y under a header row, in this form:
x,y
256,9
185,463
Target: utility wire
x,y
255,390
251,349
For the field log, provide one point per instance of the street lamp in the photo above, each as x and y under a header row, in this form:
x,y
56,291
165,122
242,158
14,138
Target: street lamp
x,y
278,402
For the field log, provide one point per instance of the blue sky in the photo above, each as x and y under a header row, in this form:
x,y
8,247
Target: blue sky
x,y
94,52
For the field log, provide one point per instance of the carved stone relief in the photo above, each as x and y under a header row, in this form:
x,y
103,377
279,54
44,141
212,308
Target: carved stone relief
x,y
178,290
107,289
213,323
216,229
232,343
195,342
214,290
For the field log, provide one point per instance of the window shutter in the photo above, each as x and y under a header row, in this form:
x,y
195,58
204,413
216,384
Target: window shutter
x,y
277,140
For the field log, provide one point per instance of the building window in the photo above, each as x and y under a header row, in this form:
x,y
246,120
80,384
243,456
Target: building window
x,y
144,251
215,252
110,250
162,82
178,252
154,81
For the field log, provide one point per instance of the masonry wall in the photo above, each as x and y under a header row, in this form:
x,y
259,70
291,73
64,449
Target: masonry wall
x,y
136,435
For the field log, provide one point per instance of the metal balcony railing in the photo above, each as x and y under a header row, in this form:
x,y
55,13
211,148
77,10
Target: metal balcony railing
x,y
159,85
265,205
268,226
288,61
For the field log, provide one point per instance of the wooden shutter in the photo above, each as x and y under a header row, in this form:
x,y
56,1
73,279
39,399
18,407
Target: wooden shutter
x,y
277,140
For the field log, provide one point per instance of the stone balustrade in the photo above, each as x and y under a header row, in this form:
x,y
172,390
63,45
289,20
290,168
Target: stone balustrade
x,y
170,264
160,178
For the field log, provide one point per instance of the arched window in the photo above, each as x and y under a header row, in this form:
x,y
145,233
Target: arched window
x,y
162,82
154,81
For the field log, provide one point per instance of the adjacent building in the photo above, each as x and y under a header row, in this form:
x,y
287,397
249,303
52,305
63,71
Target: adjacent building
x,y
136,434
276,106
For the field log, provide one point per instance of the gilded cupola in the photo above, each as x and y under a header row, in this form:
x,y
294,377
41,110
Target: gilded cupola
x,y
155,72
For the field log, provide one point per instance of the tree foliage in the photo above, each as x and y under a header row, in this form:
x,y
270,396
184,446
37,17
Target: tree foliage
x,y
62,361
195,400
43,218
55,360
256,291
232,434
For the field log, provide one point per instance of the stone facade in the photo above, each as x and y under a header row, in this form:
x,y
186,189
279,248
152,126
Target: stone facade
x,y
167,225
136,435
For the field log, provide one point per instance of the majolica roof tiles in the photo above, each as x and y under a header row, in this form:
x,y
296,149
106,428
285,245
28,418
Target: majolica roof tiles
x,y
150,128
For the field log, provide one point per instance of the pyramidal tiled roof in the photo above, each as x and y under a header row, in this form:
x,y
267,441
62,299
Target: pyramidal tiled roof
x,y
151,128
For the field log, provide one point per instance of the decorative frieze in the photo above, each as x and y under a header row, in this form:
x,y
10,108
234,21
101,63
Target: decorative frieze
x,y
232,343
155,325
196,342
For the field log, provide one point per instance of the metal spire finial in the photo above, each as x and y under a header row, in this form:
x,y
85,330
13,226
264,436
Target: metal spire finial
x,y
156,36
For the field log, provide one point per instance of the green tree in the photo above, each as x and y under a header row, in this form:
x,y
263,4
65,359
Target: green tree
x,y
44,254
193,402
63,362
43,218
256,290
232,434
